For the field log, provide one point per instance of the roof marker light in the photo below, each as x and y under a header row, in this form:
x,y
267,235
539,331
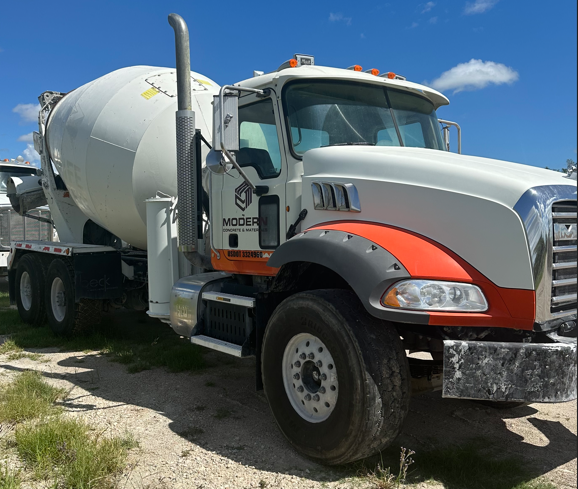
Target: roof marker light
x,y
374,72
355,68
293,63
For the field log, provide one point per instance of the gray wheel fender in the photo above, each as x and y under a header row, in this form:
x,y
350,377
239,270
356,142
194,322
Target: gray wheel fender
x,y
368,268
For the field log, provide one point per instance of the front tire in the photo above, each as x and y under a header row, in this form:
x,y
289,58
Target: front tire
x,y
66,316
29,289
337,379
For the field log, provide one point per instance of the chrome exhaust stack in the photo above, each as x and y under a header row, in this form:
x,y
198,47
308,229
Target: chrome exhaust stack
x,y
188,154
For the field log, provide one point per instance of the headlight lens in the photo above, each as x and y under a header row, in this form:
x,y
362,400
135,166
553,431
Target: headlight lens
x,y
435,296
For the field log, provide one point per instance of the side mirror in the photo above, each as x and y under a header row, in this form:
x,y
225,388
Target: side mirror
x,y
226,122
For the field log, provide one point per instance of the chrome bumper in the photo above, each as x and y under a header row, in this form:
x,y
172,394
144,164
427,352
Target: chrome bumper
x,y
529,372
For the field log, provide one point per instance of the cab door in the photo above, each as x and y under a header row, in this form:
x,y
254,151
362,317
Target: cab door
x,y
253,226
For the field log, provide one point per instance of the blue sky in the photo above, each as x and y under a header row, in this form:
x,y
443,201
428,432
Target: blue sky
x,y
515,101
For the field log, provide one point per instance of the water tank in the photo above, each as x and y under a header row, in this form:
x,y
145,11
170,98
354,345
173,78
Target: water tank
x,y
113,141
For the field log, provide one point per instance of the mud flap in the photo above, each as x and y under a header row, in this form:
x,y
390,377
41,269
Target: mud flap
x,y
529,372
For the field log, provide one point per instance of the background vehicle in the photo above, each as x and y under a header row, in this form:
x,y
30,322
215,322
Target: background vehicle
x,y
334,232
14,226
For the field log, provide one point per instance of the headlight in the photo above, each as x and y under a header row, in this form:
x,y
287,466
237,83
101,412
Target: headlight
x,y
435,296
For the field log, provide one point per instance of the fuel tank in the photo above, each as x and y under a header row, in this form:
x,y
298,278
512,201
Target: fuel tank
x,y
113,142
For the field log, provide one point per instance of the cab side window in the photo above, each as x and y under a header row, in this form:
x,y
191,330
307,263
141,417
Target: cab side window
x,y
259,144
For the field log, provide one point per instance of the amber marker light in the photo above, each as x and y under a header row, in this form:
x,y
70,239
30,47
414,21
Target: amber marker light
x,y
375,72
391,75
293,63
391,298
357,68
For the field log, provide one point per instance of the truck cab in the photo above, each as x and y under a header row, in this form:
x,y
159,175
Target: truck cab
x,y
308,107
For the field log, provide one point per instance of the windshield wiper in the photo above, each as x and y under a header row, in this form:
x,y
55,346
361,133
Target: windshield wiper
x,y
357,143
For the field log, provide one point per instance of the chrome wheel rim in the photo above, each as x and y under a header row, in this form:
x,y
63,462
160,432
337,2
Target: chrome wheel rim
x,y
310,377
26,290
58,299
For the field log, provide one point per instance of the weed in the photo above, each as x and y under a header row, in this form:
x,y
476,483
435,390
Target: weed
x,y
262,484
36,357
66,450
9,479
28,397
222,413
9,346
138,366
382,478
185,453
4,302
473,466
125,357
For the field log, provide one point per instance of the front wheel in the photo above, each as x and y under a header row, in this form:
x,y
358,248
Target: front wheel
x,y
337,379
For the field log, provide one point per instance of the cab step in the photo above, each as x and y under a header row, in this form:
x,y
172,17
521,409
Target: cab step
x,y
218,345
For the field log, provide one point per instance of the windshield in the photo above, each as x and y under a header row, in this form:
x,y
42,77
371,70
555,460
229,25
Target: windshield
x,y
330,113
7,173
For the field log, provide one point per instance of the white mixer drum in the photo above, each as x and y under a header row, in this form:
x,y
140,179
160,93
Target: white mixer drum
x,y
113,141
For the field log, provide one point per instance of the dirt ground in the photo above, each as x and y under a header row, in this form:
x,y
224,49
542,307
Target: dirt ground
x,y
213,430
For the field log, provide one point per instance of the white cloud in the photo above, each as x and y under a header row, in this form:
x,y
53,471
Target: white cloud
x,y
414,25
433,20
362,36
479,6
338,17
26,138
28,112
30,154
475,75
427,7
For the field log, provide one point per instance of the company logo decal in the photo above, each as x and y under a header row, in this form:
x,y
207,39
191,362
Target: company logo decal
x,y
565,231
243,196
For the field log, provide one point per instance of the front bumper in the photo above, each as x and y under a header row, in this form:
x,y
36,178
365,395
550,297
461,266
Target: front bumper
x,y
493,371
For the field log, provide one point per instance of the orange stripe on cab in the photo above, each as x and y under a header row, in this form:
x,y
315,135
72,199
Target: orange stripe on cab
x,y
424,258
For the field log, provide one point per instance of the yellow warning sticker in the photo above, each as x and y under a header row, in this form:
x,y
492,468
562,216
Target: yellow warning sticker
x,y
151,92
204,82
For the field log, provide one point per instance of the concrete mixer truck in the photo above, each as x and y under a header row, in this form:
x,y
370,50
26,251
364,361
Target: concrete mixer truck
x,y
311,217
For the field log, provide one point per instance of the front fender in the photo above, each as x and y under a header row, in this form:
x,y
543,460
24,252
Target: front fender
x,y
367,267
372,257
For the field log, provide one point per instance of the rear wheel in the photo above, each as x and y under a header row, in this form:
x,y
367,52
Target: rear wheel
x,y
65,315
29,289
337,379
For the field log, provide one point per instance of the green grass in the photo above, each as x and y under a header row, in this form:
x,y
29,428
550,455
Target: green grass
x,y
15,352
4,302
28,397
478,464
9,479
140,344
68,451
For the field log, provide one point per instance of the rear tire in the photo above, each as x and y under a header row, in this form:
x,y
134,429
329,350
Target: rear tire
x,y
29,289
66,316
360,390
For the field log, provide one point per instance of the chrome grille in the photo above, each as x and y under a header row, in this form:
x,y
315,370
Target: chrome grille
x,y
563,298
14,227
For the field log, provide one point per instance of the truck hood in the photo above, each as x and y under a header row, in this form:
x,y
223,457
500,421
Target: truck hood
x,y
496,180
465,203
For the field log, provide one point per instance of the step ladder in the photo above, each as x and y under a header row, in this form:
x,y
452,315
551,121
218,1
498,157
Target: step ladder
x,y
231,315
